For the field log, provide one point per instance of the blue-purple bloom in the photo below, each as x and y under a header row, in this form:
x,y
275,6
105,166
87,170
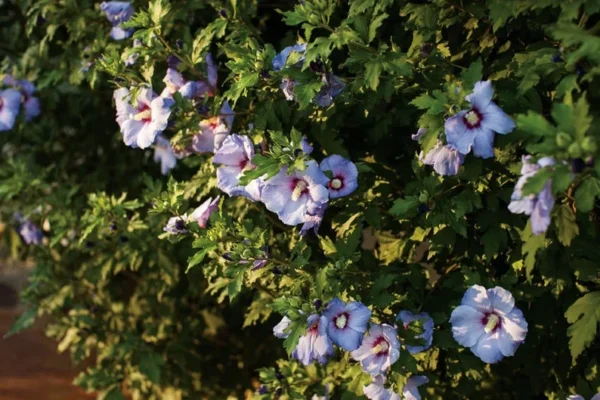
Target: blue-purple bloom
x,y
177,225
410,390
332,87
376,390
445,160
488,322
235,156
30,233
133,56
539,206
314,345
292,196
280,59
31,104
203,212
10,101
163,153
344,175
379,349
346,323
314,217
406,317
140,125
279,330
474,128
305,146
118,12
579,397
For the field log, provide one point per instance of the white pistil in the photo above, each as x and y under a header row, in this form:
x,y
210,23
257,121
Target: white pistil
x,y
299,189
382,347
146,114
492,322
336,183
472,117
340,321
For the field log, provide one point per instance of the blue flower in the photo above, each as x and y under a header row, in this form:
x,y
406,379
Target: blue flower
x,y
140,125
488,322
235,157
163,153
379,349
344,175
446,160
406,317
279,330
474,128
314,345
539,206
331,88
202,213
376,390
30,232
579,397
118,12
10,101
314,217
177,225
280,59
292,196
31,104
410,390
305,146
213,131
346,323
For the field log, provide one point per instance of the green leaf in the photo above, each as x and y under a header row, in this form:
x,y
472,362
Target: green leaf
x,y
471,75
306,92
492,240
581,110
295,17
566,224
535,183
531,245
113,393
199,256
24,321
406,207
150,365
158,10
296,329
535,124
372,72
584,315
264,166
434,104
586,193
235,285
376,23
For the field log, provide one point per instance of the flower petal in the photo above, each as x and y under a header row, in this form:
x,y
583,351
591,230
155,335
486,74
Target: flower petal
x,y
467,328
481,96
515,325
494,119
501,300
477,298
483,143
487,348
458,134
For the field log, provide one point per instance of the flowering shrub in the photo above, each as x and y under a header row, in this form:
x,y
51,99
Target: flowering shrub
x,y
312,199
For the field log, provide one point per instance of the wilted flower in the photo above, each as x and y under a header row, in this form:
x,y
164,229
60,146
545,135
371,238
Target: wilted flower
x,y
445,160
291,196
118,12
488,322
279,329
474,128
346,323
287,86
280,59
376,390
344,175
379,349
314,345
10,100
177,225
406,317
410,390
539,206
163,153
141,125
419,133
235,157
30,232
332,87
202,213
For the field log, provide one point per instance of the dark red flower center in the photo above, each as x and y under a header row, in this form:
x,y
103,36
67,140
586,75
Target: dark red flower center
x,y
144,113
491,322
336,183
472,118
299,187
381,347
341,321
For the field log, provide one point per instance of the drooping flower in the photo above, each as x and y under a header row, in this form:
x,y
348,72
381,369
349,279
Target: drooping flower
x,y
332,87
344,175
291,196
314,345
419,134
376,390
280,59
287,86
379,349
445,160
279,330
474,128
488,322
10,101
202,213
177,225
163,153
30,232
235,157
141,125
213,131
539,206
314,217
346,323
118,12
410,390
406,317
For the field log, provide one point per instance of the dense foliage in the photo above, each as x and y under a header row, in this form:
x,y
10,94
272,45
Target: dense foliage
x,y
363,172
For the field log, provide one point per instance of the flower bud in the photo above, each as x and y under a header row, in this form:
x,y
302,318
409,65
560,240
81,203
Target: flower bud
x,y
575,150
424,197
563,140
589,145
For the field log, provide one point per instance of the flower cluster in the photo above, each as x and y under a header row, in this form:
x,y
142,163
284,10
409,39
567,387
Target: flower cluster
x,y
17,92
332,85
118,12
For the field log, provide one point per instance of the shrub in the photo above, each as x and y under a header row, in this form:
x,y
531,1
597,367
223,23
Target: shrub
x,y
428,167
